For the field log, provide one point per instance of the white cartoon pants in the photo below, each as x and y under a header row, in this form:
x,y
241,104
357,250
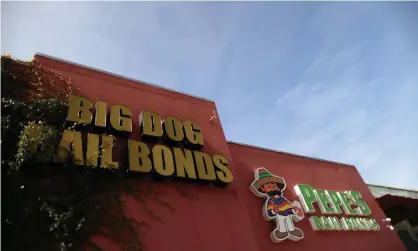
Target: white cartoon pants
x,y
284,223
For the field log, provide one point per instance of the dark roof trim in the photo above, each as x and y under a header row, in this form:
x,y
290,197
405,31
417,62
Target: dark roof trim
x,y
120,76
291,154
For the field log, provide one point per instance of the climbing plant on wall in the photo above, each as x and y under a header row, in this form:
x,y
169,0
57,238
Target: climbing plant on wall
x,y
48,205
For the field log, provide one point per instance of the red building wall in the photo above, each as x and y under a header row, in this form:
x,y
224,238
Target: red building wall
x,y
207,218
320,175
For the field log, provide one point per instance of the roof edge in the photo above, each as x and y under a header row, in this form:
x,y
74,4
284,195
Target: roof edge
x,y
291,154
120,76
394,188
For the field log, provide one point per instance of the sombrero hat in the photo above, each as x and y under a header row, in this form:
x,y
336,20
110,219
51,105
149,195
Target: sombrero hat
x,y
264,177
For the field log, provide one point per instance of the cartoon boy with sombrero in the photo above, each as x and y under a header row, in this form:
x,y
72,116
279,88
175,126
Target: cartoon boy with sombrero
x,y
276,206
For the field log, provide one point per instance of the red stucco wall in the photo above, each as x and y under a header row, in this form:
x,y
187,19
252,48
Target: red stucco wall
x,y
207,218
320,175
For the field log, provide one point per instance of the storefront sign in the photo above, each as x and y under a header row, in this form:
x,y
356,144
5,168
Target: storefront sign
x,y
278,208
174,151
336,203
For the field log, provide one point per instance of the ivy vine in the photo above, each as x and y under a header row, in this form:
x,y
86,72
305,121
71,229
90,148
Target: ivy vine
x,y
45,205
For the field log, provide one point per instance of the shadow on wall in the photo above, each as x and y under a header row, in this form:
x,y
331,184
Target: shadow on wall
x,y
410,244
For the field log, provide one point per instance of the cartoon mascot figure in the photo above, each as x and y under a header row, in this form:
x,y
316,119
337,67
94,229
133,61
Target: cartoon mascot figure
x,y
277,207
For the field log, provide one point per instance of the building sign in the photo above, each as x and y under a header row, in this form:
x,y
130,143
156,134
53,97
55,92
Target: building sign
x,y
276,206
284,213
175,150
336,203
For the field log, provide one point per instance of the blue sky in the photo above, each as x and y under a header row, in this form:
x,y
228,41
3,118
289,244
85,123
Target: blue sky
x,y
331,80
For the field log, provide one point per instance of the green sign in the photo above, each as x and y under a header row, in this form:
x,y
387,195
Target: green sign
x,y
336,203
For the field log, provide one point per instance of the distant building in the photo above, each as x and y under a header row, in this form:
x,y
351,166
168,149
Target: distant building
x,y
401,206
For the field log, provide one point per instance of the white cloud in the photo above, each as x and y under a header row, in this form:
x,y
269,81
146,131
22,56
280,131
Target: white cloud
x,y
354,121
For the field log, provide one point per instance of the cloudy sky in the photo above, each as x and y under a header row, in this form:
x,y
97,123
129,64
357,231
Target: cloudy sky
x,y
331,80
